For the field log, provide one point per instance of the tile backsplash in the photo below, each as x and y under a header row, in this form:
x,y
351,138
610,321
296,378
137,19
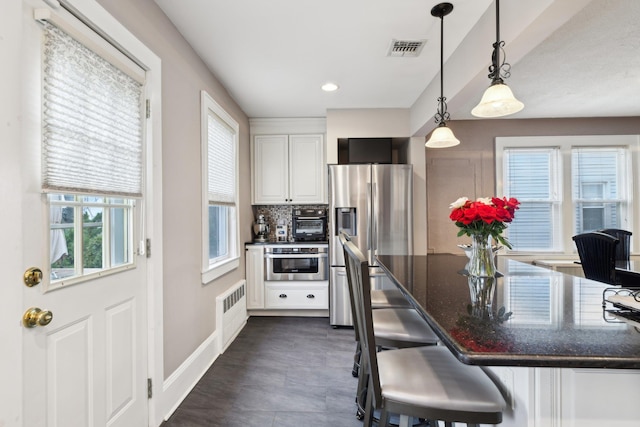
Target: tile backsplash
x,y
273,213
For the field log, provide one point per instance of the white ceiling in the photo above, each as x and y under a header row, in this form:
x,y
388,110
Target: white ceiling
x,y
570,58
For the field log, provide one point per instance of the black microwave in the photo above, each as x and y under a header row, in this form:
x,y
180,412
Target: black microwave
x,y
309,225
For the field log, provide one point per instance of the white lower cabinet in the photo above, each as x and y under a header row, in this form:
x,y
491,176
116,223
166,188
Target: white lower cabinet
x,y
297,295
279,295
255,276
568,397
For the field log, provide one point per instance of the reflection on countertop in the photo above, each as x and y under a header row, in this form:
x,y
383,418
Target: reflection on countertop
x,y
555,319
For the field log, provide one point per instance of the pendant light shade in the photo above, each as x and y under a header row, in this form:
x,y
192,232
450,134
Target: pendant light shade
x,y
442,136
498,99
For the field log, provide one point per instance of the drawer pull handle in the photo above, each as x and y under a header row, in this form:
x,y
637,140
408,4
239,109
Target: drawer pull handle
x,y
282,295
311,296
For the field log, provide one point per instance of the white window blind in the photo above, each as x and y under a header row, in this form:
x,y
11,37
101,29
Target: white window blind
x,y
221,162
92,121
598,193
531,177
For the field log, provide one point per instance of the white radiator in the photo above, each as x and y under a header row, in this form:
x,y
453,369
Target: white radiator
x,y
231,313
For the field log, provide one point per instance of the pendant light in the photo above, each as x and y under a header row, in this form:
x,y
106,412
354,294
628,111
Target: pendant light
x,y
442,136
498,100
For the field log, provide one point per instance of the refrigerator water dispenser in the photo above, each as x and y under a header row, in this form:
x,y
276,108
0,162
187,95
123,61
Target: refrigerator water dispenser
x,y
346,221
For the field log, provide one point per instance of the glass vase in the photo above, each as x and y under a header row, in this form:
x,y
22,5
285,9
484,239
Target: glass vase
x,y
481,290
481,258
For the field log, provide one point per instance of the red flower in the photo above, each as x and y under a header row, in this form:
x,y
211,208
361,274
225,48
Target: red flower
x,y
486,213
485,216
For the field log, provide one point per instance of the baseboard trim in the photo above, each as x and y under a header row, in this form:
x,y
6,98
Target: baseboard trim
x,y
180,383
288,313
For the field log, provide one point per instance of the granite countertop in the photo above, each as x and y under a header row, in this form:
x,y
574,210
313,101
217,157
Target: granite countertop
x,y
556,320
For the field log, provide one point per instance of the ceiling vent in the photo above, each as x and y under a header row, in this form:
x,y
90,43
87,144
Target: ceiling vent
x,y
405,47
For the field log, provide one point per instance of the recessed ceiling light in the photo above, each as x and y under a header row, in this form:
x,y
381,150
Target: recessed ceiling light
x,y
330,87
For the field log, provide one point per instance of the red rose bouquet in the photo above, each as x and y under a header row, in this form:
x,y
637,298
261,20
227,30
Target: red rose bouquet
x,y
485,216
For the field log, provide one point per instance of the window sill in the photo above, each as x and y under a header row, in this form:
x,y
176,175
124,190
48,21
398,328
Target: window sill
x,y
220,270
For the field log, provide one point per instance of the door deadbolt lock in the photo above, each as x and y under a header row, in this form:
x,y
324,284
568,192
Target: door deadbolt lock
x,y
32,276
36,317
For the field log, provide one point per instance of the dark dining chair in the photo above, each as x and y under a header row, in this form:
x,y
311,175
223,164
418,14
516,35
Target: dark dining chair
x,y
420,382
623,250
597,252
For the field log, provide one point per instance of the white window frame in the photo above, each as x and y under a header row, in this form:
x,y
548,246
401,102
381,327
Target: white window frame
x,y
566,143
213,270
106,204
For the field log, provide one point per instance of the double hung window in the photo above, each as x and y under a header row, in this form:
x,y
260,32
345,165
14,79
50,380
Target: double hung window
x,y
220,182
92,149
566,186
599,181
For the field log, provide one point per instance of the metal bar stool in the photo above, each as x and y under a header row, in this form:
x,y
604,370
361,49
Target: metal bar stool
x,y
394,327
419,382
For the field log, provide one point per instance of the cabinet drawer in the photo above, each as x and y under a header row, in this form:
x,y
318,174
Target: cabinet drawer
x,y
295,296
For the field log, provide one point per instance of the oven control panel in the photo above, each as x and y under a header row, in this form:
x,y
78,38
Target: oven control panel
x,y
291,249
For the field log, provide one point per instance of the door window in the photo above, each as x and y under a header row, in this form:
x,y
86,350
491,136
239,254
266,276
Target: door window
x,y
89,235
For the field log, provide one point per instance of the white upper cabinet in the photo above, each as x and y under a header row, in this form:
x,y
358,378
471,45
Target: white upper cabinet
x,y
270,172
288,168
306,169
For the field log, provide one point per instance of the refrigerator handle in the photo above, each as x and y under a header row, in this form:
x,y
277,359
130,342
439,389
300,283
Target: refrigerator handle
x,y
369,217
374,221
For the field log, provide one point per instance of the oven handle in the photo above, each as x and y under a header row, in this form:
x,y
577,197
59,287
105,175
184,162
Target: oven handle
x,y
323,255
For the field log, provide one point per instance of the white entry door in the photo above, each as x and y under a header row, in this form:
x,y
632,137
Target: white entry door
x,y
88,365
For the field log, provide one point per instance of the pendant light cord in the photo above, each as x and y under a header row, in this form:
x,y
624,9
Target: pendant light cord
x,y
442,115
440,11
442,58
497,45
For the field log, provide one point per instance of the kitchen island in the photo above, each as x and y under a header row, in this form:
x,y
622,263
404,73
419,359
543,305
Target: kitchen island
x,y
561,359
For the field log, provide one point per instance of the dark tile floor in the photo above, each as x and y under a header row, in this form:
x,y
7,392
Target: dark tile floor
x,y
280,371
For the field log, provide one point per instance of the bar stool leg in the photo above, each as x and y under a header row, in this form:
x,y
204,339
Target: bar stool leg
x,y
356,360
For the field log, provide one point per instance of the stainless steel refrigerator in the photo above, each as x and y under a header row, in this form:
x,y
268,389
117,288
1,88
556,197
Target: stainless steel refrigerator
x,y
373,204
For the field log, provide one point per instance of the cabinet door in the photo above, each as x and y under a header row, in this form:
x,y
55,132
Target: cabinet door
x,y
270,169
307,176
255,276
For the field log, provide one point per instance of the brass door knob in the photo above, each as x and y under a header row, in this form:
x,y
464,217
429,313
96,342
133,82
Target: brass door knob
x,y
32,276
36,317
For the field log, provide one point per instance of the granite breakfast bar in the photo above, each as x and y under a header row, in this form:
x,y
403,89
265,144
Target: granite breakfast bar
x,y
560,356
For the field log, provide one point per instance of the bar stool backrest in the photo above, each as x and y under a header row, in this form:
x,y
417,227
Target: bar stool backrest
x,y
344,238
359,281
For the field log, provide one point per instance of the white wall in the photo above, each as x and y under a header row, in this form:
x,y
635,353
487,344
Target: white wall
x,y
189,307
364,123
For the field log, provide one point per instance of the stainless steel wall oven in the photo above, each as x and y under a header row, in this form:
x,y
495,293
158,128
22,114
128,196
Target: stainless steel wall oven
x,y
309,225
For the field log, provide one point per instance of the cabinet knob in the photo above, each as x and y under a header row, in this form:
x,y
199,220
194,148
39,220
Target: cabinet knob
x,y
282,295
311,296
